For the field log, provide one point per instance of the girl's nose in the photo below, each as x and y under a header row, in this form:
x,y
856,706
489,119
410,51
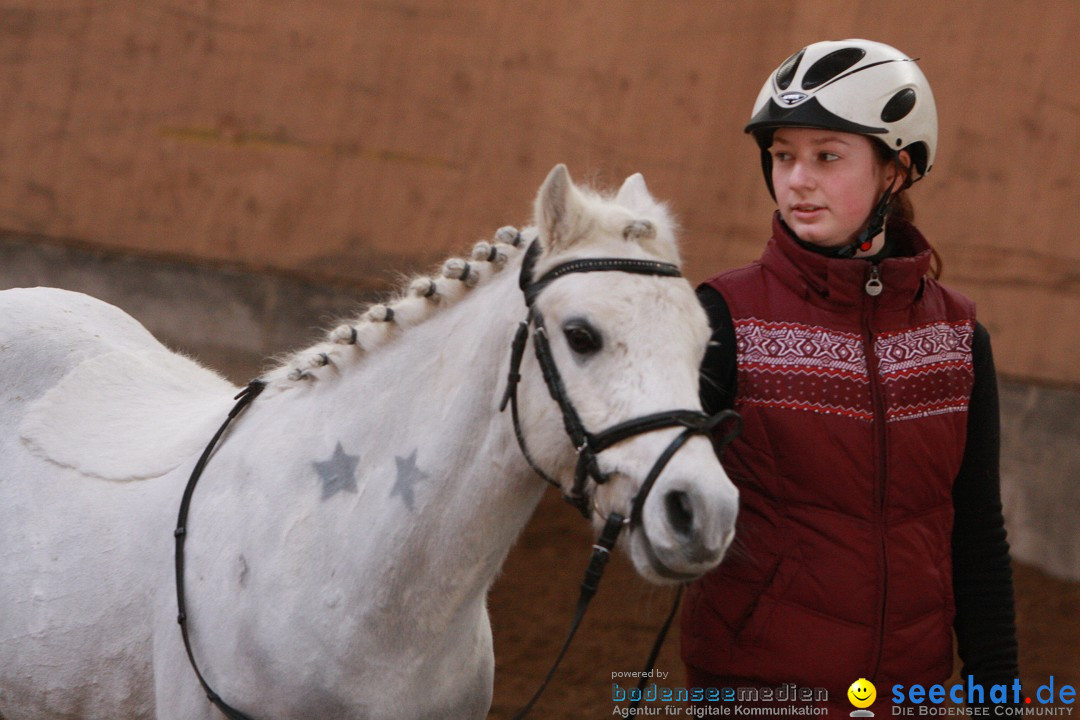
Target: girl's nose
x,y
801,176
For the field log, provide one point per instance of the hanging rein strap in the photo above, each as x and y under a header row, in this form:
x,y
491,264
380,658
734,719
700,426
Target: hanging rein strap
x,y
601,552
243,399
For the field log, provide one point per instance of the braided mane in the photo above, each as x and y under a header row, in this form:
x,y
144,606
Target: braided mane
x,y
380,322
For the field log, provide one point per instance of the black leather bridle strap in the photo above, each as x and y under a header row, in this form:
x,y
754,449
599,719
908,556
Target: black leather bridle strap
x,y
647,423
243,399
626,265
510,397
601,553
695,424
650,662
575,429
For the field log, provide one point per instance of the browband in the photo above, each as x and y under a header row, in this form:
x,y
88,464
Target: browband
x,y
531,288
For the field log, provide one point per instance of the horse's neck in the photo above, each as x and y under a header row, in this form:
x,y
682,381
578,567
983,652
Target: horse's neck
x,y
441,490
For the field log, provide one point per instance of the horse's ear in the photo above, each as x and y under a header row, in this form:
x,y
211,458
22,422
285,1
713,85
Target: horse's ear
x,y
634,195
559,208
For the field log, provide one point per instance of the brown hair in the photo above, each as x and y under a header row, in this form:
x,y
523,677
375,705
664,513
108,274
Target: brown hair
x,y
902,207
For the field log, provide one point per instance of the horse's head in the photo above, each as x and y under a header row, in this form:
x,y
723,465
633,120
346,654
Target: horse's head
x,y
626,346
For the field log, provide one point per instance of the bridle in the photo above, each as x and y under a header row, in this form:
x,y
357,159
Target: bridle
x,y
587,444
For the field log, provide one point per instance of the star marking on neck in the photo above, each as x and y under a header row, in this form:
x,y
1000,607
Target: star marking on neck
x,y
338,474
407,477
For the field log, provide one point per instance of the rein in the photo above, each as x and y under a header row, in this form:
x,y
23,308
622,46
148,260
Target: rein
x,y
587,444
243,399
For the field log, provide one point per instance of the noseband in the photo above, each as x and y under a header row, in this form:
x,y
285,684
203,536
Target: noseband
x,y
588,444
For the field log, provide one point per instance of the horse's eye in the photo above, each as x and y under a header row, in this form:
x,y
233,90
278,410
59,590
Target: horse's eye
x,y
582,337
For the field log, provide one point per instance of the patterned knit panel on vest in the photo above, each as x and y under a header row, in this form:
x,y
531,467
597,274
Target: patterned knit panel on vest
x,y
926,370
802,367
822,370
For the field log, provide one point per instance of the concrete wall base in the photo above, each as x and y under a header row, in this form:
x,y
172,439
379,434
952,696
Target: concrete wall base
x,y
1040,475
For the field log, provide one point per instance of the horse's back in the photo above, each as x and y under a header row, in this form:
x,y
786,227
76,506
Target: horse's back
x,y
44,332
89,388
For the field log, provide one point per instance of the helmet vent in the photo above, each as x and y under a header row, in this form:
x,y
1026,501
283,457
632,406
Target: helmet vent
x,y
919,154
899,106
831,65
786,72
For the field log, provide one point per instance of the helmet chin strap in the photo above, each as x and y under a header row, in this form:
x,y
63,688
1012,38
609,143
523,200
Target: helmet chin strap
x,y
864,239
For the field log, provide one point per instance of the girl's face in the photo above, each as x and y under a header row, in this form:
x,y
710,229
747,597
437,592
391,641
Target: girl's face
x,y
827,183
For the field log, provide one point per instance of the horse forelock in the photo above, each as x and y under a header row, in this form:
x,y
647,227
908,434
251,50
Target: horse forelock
x,y
653,226
613,225
639,219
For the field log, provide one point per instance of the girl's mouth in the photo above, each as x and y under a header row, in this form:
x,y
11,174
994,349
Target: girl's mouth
x,y
807,211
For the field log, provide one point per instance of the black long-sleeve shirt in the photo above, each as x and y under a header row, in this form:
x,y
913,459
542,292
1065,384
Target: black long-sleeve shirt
x,y
982,575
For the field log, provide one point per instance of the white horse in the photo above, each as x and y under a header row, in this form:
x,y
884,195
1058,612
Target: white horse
x,y
346,531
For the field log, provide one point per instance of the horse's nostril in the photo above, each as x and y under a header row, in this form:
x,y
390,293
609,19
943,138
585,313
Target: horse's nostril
x,y
680,512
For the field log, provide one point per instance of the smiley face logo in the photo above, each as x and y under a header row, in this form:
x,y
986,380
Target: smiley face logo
x,y
862,693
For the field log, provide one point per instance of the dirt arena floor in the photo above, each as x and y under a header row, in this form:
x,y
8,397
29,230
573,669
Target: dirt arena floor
x,y
533,601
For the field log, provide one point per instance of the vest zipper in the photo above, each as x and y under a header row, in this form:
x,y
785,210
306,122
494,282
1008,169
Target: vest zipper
x,y
873,285
873,289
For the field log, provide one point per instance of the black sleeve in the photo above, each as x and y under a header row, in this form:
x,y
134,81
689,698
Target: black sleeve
x,y
982,575
719,373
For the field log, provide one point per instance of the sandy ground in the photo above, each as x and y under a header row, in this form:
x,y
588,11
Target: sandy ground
x,y
533,601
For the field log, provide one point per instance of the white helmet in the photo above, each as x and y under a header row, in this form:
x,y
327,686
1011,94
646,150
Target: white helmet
x,y
856,86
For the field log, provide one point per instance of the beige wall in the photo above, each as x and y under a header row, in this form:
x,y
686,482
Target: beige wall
x,y
348,139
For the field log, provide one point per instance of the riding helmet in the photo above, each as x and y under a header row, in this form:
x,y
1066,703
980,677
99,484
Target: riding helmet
x,y
855,86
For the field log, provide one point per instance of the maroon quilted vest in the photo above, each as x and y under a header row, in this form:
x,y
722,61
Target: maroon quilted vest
x,y
854,414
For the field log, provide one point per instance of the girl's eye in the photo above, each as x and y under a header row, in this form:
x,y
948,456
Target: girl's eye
x,y
829,157
582,337
780,156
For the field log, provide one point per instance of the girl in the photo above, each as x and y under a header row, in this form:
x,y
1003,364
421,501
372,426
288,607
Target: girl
x,y
870,524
